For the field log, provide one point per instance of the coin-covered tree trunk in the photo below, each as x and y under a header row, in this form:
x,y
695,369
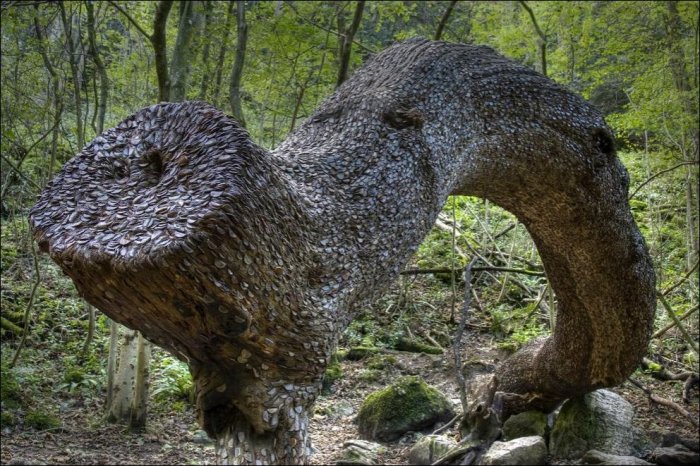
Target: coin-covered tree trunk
x,y
247,264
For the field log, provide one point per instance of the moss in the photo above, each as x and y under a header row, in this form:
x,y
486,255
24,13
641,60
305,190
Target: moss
x,y
358,353
408,404
41,420
369,375
333,372
10,392
7,419
381,362
415,346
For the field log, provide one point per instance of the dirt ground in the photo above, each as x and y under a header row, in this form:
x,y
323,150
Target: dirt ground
x,y
173,437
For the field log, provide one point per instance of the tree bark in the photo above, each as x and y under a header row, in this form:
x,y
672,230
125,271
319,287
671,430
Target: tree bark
x,y
237,70
180,63
347,35
206,75
160,48
252,274
222,54
99,65
75,72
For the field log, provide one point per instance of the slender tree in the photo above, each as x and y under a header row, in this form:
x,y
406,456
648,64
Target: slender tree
x,y
345,37
237,70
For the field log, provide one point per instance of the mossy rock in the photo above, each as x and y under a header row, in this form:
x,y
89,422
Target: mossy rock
x,y
359,353
527,424
415,346
410,404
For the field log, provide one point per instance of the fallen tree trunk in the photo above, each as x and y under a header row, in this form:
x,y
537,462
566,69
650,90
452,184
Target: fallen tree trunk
x,y
248,264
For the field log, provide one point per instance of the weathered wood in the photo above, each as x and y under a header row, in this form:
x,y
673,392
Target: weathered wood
x,y
248,264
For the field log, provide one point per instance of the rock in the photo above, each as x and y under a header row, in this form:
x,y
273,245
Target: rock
x,y
200,437
407,405
429,449
523,450
362,452
677,455
598,457
527,424
600,420
671,438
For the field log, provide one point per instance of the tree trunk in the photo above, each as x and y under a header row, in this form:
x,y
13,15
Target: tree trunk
x,y
99,65
130,389
180,63
56,90
75,72
206,75
222,55
542,38
252,275
444,19
681,82
160,48
347,35
237,71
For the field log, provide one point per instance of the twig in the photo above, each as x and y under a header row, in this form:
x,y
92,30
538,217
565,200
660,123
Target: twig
x,y
656,175
672,315
663,373
19,172
446,426
475,269
663,401
687,314
29,306
685,277
290,5
460,332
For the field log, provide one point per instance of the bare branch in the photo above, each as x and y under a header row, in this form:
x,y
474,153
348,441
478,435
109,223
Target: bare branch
x,y
656,175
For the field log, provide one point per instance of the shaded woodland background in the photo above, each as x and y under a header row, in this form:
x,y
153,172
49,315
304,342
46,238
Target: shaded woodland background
x,y
71,69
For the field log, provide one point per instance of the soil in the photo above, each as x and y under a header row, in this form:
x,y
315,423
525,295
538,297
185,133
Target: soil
x,y
172,437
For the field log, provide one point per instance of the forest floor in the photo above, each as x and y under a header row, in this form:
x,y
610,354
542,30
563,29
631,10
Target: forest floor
x,y
56,377
172,436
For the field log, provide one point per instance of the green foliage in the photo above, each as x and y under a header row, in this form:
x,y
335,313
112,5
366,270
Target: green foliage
x,y
173,380
10,392
41,420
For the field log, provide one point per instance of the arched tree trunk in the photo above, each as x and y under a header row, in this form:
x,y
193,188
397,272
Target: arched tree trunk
x,y
248,264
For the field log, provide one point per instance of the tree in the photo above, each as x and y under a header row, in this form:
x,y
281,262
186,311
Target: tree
x,y
251,275
345,38
180,65
237,71
158,42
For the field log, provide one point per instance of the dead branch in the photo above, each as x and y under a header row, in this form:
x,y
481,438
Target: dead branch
x,y
664,402
475,269
687,314
672,315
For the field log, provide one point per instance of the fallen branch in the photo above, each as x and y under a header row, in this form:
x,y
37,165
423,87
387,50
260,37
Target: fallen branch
x,y
664,402
680,282
475,269
446,426
687,314
672,315
662,373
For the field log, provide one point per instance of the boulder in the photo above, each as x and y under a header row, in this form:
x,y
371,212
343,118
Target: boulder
x,y
429,449
600,420
527,424
523,450
409,404
360,452
677,455
598,457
